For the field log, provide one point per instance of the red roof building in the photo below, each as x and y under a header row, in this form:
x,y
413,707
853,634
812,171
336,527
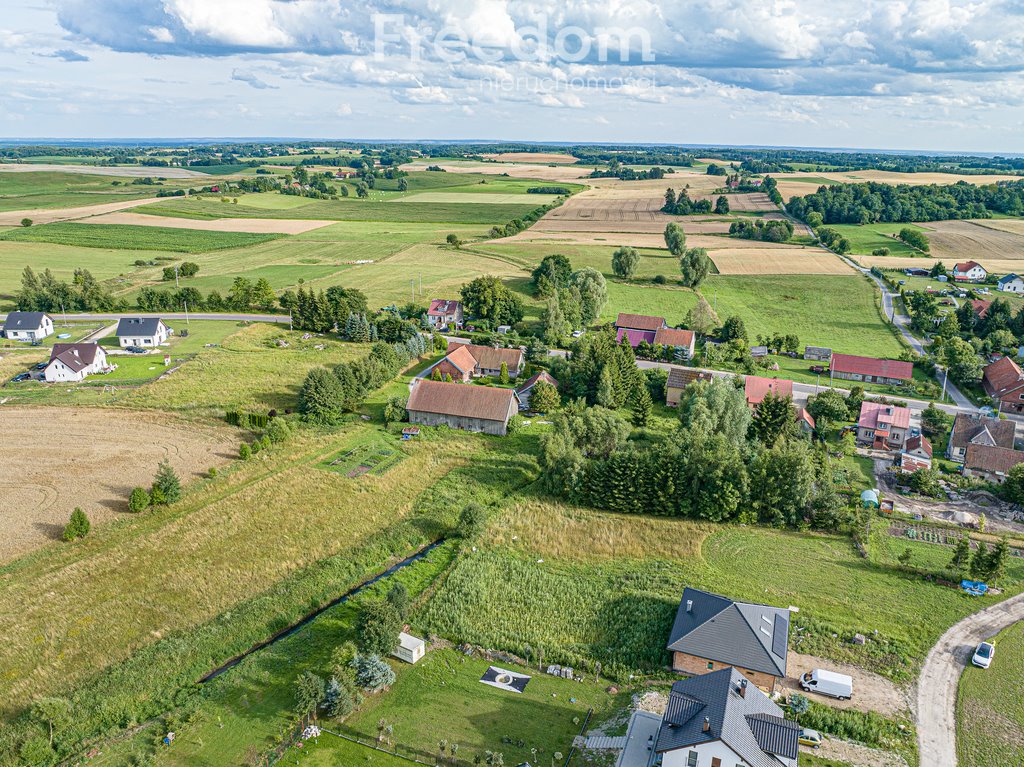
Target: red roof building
x,y
682,340
969,271
870,370
638,327
757,388
445,313
1003,380
883,426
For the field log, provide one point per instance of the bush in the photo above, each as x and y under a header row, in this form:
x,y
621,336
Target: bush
x,y
26,222
168,483
278,430
472,521
77,527
264,442
244,451
515,424
211,472
255,447
660,279
378,627
395,410
138,501
372,673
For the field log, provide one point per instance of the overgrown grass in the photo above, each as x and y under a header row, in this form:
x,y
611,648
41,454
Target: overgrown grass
x,y
127,237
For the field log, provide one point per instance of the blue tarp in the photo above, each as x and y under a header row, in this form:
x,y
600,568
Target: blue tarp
x,y
974,588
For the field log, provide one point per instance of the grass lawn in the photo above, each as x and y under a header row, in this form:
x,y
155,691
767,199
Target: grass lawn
x,y
990,709
126,237
869,237
75,331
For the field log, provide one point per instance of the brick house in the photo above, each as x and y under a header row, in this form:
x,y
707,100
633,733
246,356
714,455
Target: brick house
x,y
465,361
1003,380
850,367
712,632
978,430
679,379
638,327
470,408
882,426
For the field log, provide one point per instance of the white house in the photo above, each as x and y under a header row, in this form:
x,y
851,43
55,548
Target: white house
x,y
1011,283
969,271
722,719
28,326
73,362
445,313
410,648
142,331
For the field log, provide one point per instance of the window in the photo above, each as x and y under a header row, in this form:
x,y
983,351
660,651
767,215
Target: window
x,y
691,759
710,665
716,762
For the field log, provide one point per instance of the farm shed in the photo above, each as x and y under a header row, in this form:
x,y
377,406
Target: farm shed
x,y
679,379
712,632
28,326
462,406
410,648
850,367
817,353
638,327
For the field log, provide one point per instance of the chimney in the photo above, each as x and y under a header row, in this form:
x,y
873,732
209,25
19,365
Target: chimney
x,y
743,688
689,605
707,724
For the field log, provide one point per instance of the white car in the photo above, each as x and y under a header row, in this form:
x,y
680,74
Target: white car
x,y
983,655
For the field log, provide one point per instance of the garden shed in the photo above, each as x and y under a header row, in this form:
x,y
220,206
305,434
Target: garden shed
x,y
410,648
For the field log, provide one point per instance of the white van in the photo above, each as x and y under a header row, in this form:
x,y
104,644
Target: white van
x,y
828,683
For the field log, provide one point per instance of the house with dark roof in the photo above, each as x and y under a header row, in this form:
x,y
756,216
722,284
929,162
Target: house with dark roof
x,y
817,353
683,342
712,632
971,429
524,391
27,326
990,464
1011,283
1003,381
850,367
679,379
465,361
637,328
969,271
756,388
73,362
459,406
882,426
445,313
722,720
142,331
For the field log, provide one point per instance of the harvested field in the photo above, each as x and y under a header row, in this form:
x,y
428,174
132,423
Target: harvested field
x,y
971,239
99,457
540,172
49,216
532,157
252,225
802,182
130,171
997,265
754,202
781,260
479,197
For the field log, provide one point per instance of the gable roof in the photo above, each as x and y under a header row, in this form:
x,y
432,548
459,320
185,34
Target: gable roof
x,y
992,459
879,415
532,381
918,443
969,429
756,388
464,400
966,266
980,307
1007,278
75,356
739,633
680,378
442,306
674,337
462,358
751,724
803,415
489,358
869,366
1002,377
138,326
24,320
639,322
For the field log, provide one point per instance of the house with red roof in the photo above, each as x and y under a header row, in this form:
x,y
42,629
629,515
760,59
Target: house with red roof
x,y
757,388
991,464
1003,380
917,454
682,341
850,367
637,328
969,271
445,313
805,421
980,308
464,361
883,426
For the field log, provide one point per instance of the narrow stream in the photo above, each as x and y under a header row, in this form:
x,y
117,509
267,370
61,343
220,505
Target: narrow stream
x,y
287,632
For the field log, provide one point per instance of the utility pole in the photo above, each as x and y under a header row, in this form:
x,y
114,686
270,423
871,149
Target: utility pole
x,y
175,275
945,377
413,283
63,312
186,313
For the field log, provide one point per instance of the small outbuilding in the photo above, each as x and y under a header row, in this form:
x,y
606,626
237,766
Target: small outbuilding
x,y
410,648
869,499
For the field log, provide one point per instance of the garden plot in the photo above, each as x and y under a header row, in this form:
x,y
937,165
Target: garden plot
x,y
373,458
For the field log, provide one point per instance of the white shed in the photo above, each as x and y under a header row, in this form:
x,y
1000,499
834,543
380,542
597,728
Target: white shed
x,y
410,648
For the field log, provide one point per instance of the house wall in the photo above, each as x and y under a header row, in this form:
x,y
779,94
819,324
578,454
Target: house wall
x,y
867,436
458,422
1017,286
867,379
1012,402
694,665
673,395
58,372
985,476
707,754
447,368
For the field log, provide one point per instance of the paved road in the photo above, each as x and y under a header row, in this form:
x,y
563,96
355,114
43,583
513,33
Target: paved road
x,y
58,318
936,689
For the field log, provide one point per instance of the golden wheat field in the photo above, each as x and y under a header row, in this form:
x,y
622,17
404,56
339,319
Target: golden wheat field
x,y
807,182
779,260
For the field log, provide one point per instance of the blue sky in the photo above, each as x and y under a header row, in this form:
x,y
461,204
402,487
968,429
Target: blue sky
x,y
929,75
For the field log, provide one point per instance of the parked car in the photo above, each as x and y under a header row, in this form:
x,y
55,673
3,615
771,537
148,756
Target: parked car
x,y
809,737
817,368
839,686
41,366
983,655
21,377
136,350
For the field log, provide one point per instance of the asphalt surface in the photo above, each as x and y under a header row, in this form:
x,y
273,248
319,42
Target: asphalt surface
x,y
937,687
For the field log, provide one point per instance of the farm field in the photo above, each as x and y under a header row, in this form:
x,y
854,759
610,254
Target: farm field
x,y
42,480
34,188
541,172
488,198
519,157
777,261
119,236
129,171
864,239
801,183
989,711
254,225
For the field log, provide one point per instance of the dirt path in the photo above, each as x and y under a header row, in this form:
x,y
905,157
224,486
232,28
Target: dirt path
x,y
871,692
936,690
46,216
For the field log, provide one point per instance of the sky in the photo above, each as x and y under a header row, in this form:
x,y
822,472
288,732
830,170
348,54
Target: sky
x,y
925,75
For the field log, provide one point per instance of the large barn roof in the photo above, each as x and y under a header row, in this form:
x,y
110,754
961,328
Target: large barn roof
x,y
463,400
